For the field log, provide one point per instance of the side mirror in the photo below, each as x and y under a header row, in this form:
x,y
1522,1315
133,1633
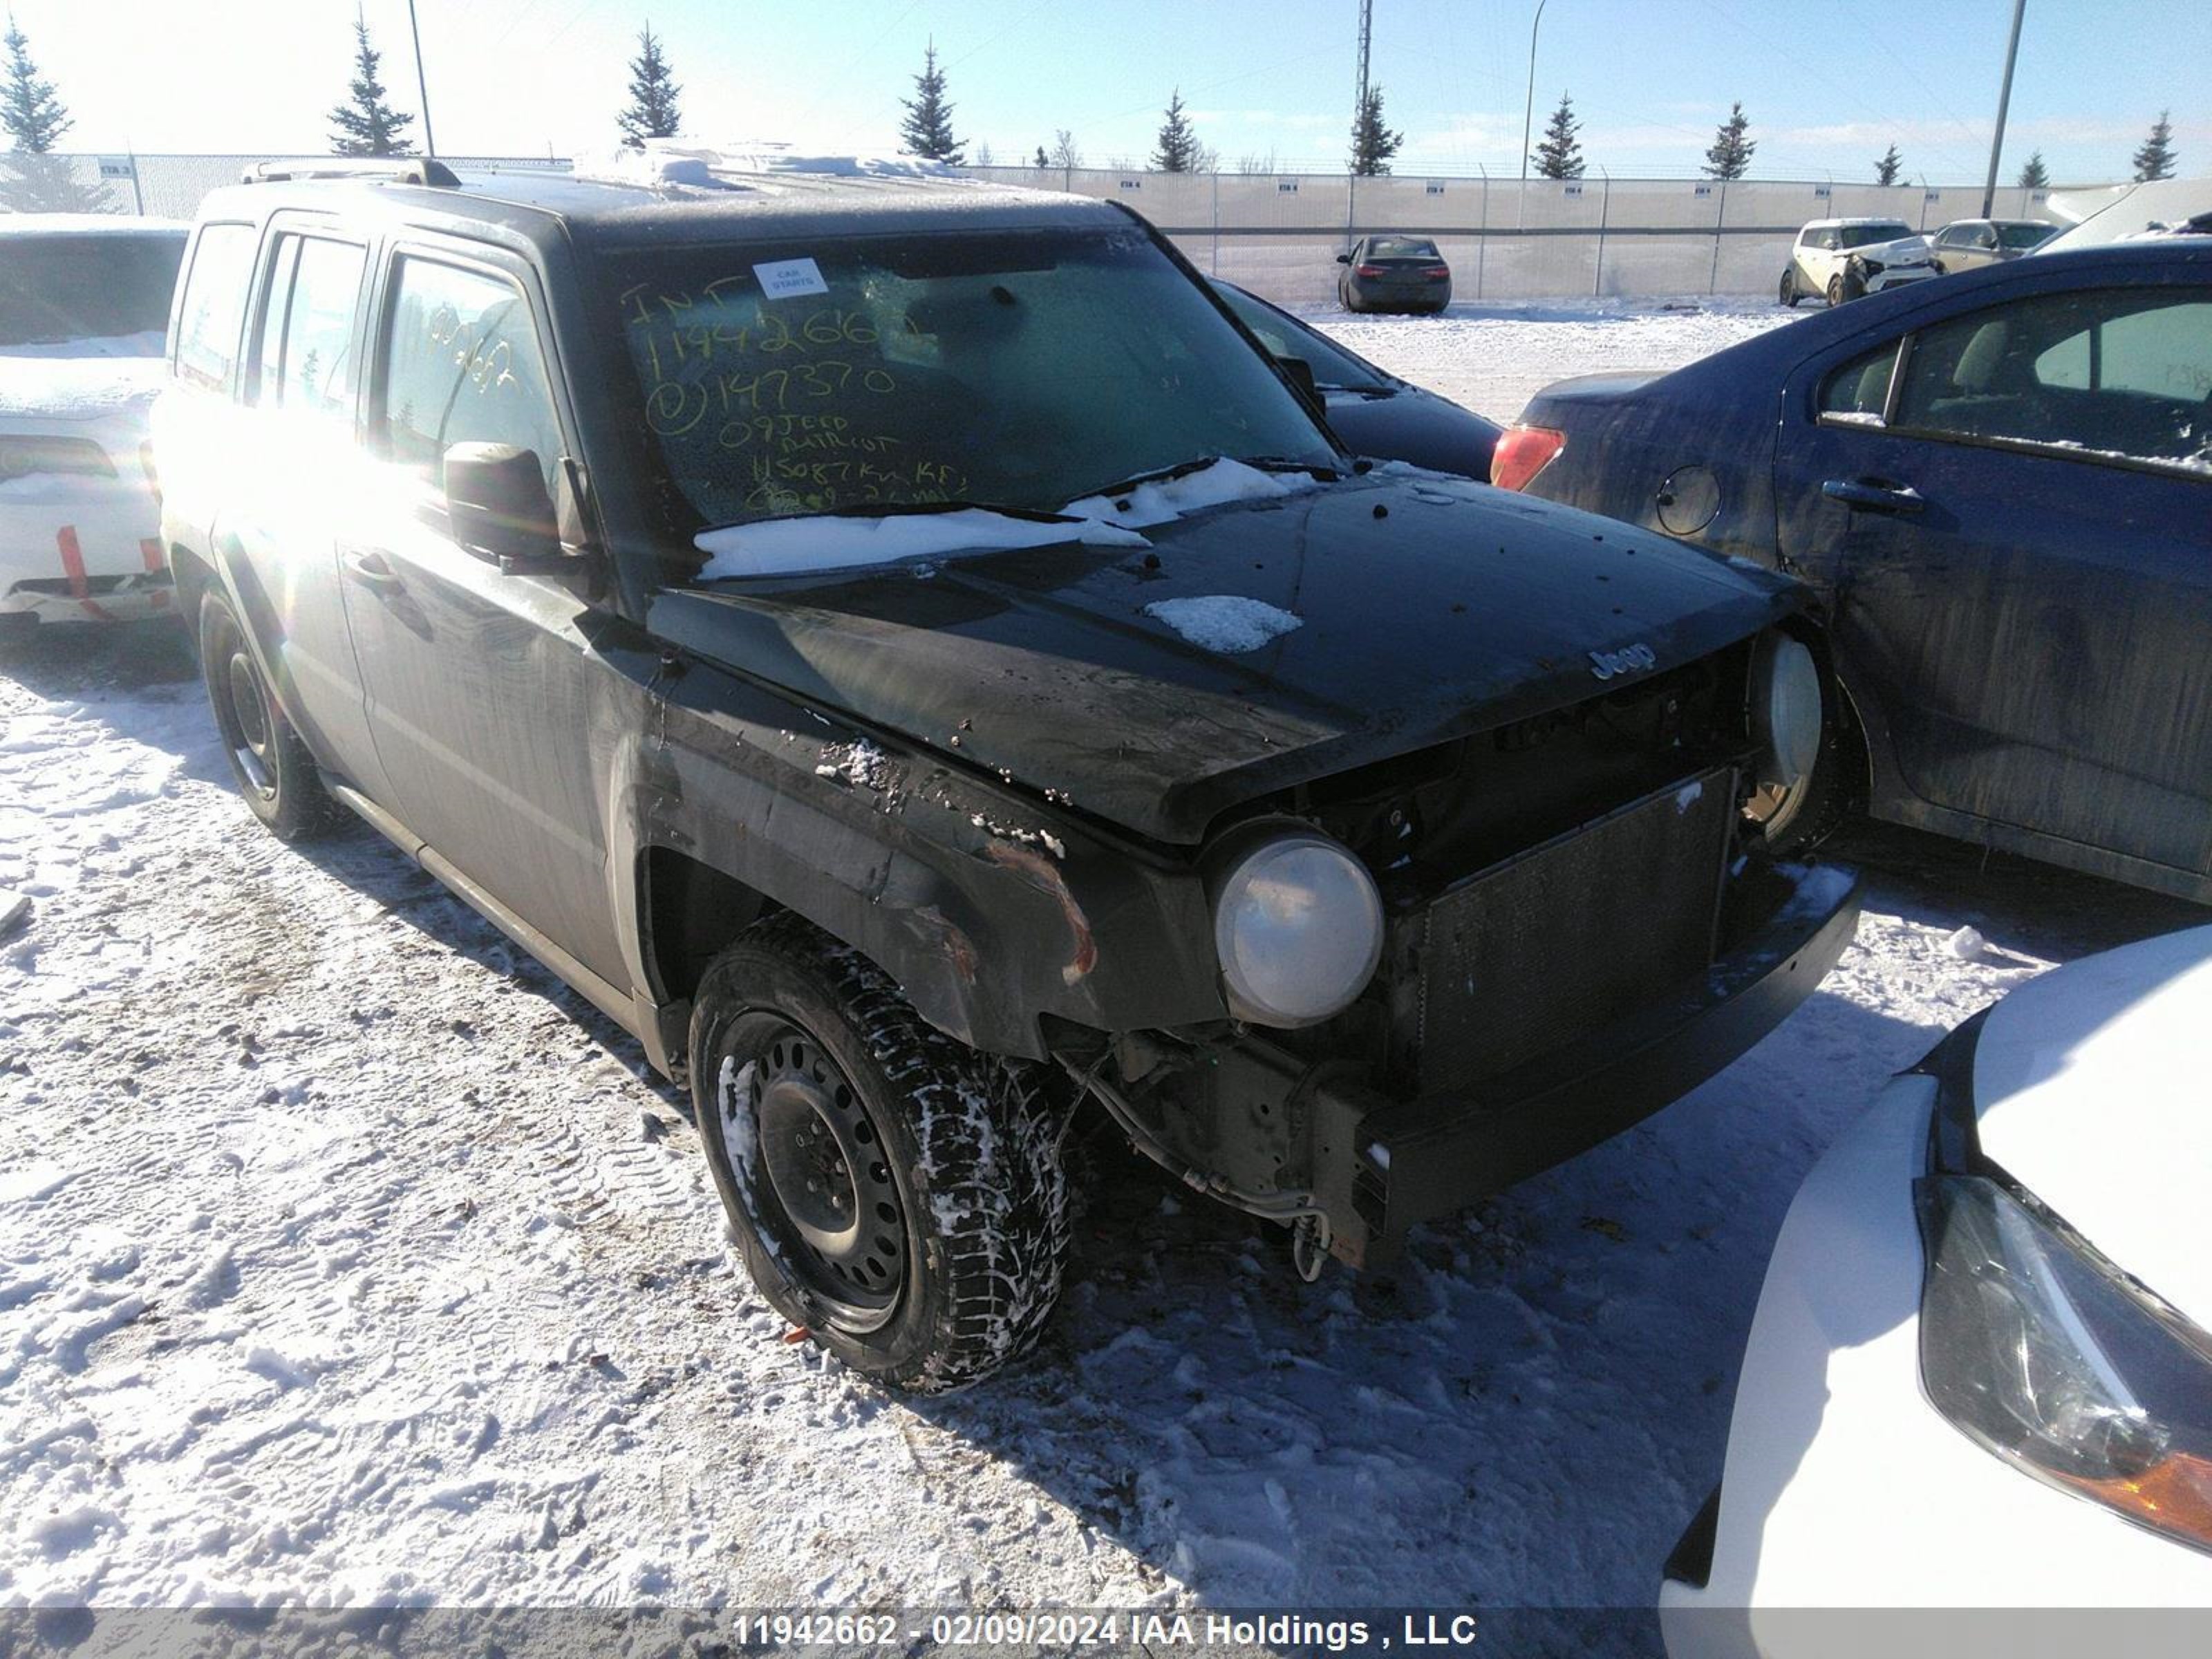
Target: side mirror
x,y
499,509
1343,258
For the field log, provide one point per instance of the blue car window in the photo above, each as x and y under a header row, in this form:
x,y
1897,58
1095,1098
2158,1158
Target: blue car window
x,y
1858,392
2109,373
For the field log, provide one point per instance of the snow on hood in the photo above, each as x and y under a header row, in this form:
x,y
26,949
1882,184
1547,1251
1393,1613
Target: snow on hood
x,y
668,165
2089,1090
77,388
1214,485
1227,622
798,546
791,547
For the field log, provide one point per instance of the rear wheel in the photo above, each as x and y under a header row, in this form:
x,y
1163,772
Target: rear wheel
x,y
896,1193
1789,295
276,772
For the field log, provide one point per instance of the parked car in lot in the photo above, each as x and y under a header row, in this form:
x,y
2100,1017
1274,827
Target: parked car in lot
x,y
1372,409
2001,485
1970,243
1394,273
1840,259
83,300
895,647
1980,1373
2122,213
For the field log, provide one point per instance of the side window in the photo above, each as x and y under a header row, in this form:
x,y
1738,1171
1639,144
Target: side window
x,y
2115,371
461,364
214,305
305,363
1858,392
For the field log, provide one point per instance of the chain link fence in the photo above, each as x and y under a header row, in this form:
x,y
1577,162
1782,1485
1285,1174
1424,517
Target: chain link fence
x,y
1278,234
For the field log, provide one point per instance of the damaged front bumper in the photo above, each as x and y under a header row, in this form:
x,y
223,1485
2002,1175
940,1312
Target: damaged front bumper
x,y
1378,1165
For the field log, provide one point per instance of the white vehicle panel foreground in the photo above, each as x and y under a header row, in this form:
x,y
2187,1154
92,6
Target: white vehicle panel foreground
x,y
1845,1487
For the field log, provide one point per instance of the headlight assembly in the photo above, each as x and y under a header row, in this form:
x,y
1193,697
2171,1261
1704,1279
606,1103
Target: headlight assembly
x,y
2054,1360
1298,924
1787,721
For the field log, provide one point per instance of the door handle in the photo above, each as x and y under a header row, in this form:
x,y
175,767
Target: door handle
x,y
372,570
1872,496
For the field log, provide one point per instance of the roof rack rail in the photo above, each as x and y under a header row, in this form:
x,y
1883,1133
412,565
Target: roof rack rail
x,y
397,169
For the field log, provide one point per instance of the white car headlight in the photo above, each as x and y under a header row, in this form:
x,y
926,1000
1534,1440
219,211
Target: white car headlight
x,y
1298,924
2051,1358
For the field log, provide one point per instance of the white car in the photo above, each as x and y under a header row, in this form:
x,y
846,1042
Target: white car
x,y
1839,260
1980,1376
84,305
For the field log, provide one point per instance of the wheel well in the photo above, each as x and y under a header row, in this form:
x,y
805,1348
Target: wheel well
x,y
692,912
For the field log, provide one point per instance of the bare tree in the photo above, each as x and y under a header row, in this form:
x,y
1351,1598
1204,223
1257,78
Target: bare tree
x,y
1063,152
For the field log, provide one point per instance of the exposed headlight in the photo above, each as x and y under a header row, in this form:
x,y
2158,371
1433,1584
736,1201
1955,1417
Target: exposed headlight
x,y
1787,721
2051,1358
1298,924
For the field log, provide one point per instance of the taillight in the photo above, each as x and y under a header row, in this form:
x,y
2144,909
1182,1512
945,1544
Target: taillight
x,y
1438,273
1522,452
1367,270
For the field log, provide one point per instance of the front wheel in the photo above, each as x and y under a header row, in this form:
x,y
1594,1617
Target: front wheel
x,y
276,770
897,1194
1836,290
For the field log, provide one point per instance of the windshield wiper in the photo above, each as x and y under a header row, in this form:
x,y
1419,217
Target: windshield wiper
x,y
900,509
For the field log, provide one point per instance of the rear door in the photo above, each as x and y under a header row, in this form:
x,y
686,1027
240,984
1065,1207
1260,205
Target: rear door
x,y
480,683
2013,510
298,476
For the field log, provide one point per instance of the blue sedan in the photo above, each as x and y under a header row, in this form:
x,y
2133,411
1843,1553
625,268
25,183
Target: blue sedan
x,y
2001,485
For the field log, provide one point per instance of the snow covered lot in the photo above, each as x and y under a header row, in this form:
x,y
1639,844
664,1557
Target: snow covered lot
x,y
347,1258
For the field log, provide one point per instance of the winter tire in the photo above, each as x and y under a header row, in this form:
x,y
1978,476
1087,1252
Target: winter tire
x,y
897,1194
1789,295
276,772
1836,290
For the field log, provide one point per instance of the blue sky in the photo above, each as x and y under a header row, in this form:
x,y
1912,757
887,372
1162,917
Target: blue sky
x,y
1826,85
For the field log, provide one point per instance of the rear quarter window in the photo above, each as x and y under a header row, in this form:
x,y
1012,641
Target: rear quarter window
x,y
214,307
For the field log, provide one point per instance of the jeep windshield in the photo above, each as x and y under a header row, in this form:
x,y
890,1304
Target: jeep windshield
x,y
1020,370
1886,230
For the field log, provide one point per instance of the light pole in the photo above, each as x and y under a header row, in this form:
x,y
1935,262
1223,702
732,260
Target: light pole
x,y
2004,102
1529,114
421,83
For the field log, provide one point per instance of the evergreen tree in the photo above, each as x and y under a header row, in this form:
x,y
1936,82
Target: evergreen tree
x,y
1042,161
1729,157
926,130
2035,175
1176,148
2155,158
652,112
1886,169
368,125
1373,143
1559,154
34,118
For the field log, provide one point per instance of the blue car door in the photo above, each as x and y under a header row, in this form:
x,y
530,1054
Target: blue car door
x,y
2010,508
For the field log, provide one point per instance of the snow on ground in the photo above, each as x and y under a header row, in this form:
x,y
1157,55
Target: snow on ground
x,y
345,1257
1494,358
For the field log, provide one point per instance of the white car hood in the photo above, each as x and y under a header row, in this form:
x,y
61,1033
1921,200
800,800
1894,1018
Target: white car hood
x,y
35,389
1902,251
2092,1088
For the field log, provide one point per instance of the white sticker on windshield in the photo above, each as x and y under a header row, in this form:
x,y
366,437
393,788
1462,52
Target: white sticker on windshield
x,y
785,279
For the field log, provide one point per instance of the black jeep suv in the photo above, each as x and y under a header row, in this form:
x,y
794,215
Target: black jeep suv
x,y
903,649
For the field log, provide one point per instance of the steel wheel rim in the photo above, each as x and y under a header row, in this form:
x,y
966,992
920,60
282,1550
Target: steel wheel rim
x,y
252,725
817,1183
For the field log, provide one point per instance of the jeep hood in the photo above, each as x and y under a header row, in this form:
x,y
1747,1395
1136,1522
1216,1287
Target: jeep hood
x,y
1424,609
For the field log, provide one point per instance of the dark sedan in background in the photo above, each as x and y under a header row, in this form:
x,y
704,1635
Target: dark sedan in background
x,y
2001,485
1374,411
1394,273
